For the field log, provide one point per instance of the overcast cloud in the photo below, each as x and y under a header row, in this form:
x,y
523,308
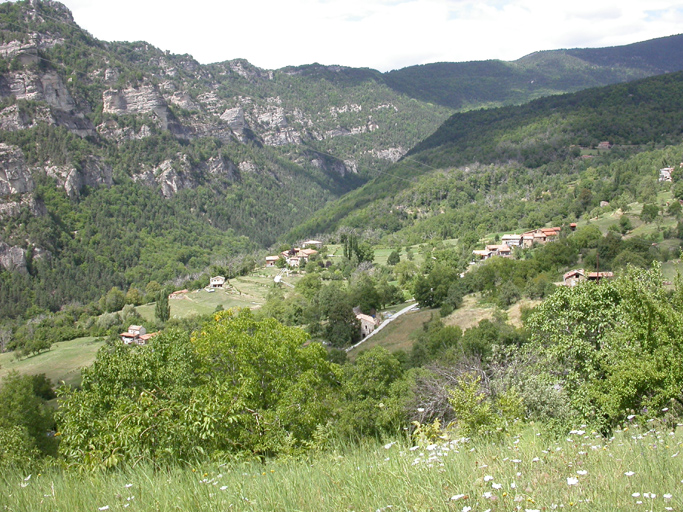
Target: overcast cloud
x,y
380,34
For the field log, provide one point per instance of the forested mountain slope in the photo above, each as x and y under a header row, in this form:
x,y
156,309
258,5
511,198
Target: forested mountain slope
x,y
501,169
121,163
469,85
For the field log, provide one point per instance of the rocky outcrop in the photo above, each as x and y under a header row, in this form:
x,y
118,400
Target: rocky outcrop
x,y
234,117
184,100
49,88
12,258
172,176
111,130
391,154
220,167
145,99
282,137
94,173
14,118
333,165
13,208
15,177
141,100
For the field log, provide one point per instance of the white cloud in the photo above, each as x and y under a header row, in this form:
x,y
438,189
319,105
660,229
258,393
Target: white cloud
x,y
381,34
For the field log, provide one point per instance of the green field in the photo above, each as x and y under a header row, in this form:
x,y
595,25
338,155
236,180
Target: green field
x,y
244,292
61,363
399,334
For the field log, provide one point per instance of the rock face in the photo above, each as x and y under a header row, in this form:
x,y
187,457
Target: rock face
x,y
14,175
93,174
45,87
13,208
12,258
333,165
172,176
145,99
110,129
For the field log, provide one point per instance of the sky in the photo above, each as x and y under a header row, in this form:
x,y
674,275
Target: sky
x,y
379,34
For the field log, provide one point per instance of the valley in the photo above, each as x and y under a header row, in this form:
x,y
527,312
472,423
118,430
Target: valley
x,y
195,259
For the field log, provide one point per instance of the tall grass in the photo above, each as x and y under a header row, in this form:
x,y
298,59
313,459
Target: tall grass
x,y
638,469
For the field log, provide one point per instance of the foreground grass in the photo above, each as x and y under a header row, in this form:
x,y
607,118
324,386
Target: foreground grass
x,y
638,469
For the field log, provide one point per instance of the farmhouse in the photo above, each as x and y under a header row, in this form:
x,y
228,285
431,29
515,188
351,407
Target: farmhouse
x,y
367,324
574,277
499,250
271,260
313,244
512,240
136,335
483,254
217,282
296,256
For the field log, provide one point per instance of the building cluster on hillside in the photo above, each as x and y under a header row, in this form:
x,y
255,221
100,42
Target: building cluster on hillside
x,y
298,255
136,335
525,240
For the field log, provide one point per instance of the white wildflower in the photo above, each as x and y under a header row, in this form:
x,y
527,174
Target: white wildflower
x,y
457,497
629,473
571,480
582,472
488,478
496,486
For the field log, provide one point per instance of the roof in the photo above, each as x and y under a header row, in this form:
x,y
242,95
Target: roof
x,y
272,258
599,275
145,337
217,278
511,237
572,273
312,242
481,253
308,252
128,335
134,327
366,318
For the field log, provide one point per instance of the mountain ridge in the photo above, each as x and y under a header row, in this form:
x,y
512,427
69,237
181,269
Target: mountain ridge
x,y
242,155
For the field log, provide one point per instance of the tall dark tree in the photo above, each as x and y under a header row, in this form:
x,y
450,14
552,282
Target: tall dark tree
x,y
163,309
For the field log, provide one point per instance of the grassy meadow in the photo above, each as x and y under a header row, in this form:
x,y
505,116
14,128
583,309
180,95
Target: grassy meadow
x,y
637,469
61,363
